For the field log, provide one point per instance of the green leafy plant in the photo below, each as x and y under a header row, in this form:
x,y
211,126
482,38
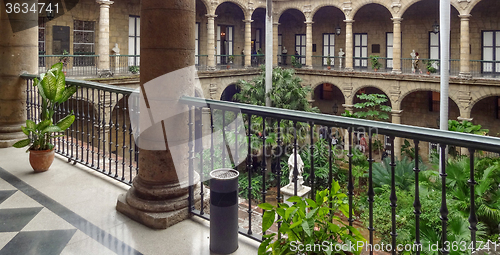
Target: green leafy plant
x,y
231,59
53,91
328,61
373,107
133,69
375,63
309,223
256,184
430,65
64,59
404,174
296,63
408,150
466,127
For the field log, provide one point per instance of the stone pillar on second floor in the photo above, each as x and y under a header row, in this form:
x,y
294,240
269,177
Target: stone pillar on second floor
x,y
464,46
103,44
349,45
309,44
211,41
396,45
347,142
248,43
396,119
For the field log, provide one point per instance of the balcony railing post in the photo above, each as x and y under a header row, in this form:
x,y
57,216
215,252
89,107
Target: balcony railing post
x,y
444,208
472,216
371,192
350,185
249,170
393,196
416,203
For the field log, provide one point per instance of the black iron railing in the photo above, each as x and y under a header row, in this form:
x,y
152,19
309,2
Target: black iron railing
x,y
101,136
260,122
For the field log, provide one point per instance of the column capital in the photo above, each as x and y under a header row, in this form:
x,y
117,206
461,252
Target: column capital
x,y
309,23
349,21
247,20
464,16
104,3
211,16
464,118
397,20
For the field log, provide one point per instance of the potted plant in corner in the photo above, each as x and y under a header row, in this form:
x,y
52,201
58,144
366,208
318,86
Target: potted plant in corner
x,y
375,64
231,59
328,62
53,91
431,66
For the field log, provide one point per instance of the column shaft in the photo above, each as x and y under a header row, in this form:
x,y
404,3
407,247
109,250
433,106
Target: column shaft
x,y
103,44
349,45
275,44
248,43
396,119
211,41
19,54
464,46
396,45
309,44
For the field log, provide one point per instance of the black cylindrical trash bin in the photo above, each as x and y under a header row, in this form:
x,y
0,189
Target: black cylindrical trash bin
x,y
224,211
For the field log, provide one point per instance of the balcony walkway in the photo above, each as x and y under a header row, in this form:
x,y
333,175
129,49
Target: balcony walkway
x,y
71,210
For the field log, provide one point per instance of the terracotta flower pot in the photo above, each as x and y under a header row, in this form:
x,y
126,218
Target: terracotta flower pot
x,y
40,161
329,67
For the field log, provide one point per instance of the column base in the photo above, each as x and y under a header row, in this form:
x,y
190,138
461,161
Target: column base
x,y
104,73
465,75
396,71
211,68
308,67
10,134
158,220
347,69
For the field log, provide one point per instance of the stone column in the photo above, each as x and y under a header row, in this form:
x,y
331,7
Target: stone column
x,y
396,45
158,197
396,119
349,45
275,44
19,54
309,44
211,41
103,44
248,43
464,46
347,143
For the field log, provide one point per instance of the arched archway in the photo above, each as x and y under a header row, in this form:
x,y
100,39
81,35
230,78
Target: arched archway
x,y
293,30
228,40
421,108
371,20
328,98
486,112
326,21
229,92
370,90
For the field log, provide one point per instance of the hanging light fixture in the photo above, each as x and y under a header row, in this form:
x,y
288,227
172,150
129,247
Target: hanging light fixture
x,y
435,27
335,109
338,30
49,12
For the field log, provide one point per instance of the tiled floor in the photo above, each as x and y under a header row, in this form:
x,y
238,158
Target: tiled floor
x,y
71,210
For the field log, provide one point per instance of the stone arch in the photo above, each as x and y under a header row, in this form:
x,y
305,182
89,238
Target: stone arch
x,y
313,87
357,89
425,88
405,7
318,7
280,12
206,4
484,94
325,100
356,7
228,92
470,6
485,112
238,3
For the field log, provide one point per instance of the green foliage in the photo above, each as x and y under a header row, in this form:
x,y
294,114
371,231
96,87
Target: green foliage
x,y
296,63
256,184
53,91
408,150
404,174
374,61
373,107
328,61
310,223
133,69
430,65
466,127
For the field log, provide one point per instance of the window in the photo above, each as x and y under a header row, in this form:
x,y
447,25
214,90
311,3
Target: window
x,y
83,42
434,49
41,41
389,37
134,40
197,44
300,47
329,48
361,50
491,52
257,39
280,48
434,101
224,43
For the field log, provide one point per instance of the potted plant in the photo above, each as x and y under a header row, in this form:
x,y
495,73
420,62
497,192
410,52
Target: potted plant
x,y
230,59
53,91
64,60
328,62
374,61
431,65
296,63
134,69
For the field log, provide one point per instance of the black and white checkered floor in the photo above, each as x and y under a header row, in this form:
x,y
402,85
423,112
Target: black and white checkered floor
x,y
70,210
